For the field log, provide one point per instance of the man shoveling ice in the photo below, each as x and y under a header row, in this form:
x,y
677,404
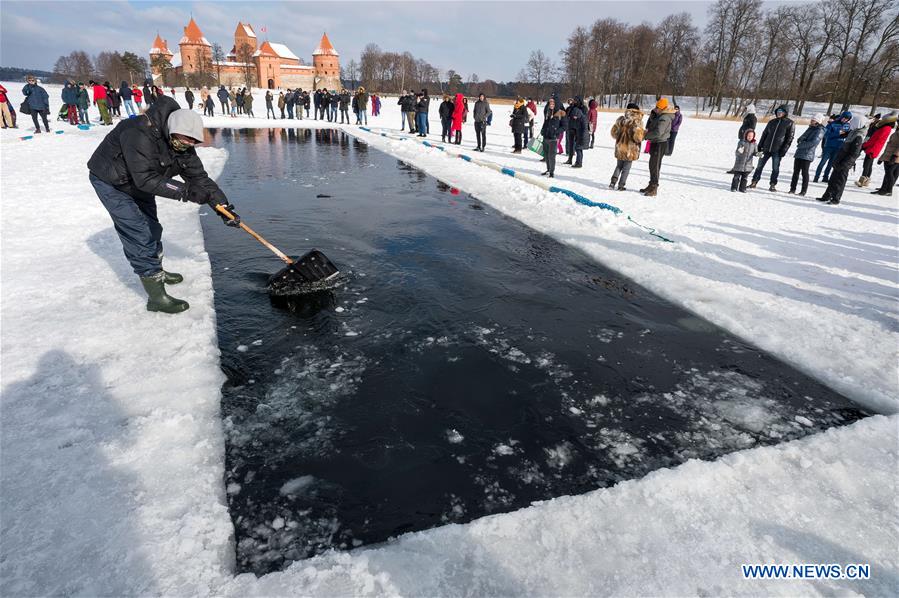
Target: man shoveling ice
x,y
134,163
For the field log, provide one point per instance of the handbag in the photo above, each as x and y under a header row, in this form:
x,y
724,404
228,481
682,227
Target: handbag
x,y
25,108
536,145
646,149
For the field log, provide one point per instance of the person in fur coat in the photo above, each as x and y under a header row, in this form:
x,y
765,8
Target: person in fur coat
x,y
746,149
628,132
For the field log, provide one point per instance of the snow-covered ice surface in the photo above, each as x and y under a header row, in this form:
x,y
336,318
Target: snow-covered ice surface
x,y
111,454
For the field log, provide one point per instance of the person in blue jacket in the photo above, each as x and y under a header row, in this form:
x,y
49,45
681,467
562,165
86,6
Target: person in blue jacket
x,y
70,99
834,136
806,146
38,102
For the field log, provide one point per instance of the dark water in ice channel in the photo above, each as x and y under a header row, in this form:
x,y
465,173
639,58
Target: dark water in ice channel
x,y
469,366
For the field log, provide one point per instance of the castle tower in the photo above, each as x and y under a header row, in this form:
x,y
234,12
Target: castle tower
x,y
244,35
268,67
326,62
196,51
160,48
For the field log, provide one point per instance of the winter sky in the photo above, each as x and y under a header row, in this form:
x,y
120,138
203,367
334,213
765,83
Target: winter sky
x,y
492,39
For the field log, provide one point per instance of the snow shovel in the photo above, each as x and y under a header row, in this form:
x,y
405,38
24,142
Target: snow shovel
x,y
310,273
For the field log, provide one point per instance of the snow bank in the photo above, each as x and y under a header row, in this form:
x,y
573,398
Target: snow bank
x,y
111,453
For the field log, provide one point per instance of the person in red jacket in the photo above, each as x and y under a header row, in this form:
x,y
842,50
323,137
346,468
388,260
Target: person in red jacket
x,y
5,115
138,96
100,101
872,147
591,120
456,128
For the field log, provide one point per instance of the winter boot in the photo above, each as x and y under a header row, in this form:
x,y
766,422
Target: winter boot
x,y
458,137
824,198
753,184
651,191
772,188
863,181
158,299
612,184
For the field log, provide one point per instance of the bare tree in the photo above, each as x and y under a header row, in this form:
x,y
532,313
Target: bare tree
x,y
729,22
218,57
244,55
538,71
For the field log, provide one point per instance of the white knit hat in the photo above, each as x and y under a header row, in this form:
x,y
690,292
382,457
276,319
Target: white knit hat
x,y
819,118
186,122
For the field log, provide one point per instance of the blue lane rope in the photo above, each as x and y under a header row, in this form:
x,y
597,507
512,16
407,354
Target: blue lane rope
x,y
512,173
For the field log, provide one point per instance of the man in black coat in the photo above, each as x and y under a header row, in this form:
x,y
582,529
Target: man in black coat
x,y
774,143
135,162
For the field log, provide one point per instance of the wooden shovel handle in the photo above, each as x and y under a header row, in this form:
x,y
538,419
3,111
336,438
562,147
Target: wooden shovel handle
x,y
224,212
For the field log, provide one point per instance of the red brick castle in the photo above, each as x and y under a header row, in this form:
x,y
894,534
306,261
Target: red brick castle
x,y
272,65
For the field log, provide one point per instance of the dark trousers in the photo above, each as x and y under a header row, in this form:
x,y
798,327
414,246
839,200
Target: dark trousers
x,y
570,138
800,167
775,167
480,131
622,170
867,166
345,114
657,151
549,153
527,135
837,183
445,124
890,174
43,114
224,104
671,139
519,135
739,181
137,225
209,110
190,104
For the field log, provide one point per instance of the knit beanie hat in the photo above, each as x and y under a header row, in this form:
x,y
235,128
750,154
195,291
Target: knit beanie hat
x,y
633,106
819,118
186,122
662,104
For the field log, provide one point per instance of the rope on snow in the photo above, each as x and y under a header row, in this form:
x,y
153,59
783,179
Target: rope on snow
x,y
542,183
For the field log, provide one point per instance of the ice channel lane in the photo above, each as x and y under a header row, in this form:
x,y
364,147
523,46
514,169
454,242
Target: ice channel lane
x,y
469,365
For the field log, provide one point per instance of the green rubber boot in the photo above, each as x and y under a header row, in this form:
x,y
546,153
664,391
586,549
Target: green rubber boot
x,y
171,277
158,299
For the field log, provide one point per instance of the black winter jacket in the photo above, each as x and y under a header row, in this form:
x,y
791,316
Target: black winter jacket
x,y
551,129
446,109
136,158
422,105
777,136
749,122
849,153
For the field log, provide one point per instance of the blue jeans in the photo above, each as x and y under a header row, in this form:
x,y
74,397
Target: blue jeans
x,y
775,167
129,107
421,122
826,162
82,116
361,117
137,225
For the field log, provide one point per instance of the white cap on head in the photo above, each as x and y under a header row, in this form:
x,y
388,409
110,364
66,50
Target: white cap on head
x,y
819,118
186,122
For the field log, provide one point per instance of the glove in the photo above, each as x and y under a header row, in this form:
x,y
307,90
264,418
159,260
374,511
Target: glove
x,y
220,200
195,194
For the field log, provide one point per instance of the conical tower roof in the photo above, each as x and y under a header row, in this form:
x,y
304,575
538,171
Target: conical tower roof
x,y
159,46
193,35
325,48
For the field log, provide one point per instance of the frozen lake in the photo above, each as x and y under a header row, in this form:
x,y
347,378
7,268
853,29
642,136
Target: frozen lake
x,y
469,366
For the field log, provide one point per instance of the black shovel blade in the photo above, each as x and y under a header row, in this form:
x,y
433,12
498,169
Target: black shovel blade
x,y
310,273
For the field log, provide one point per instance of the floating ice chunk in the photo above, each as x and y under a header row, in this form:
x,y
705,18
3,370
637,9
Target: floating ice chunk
x,y
357,542
804,421
600,400
257,342
233,488
242,348
296,485
351,333
503,449
575,411
277,523
454,437
558,456
339,310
